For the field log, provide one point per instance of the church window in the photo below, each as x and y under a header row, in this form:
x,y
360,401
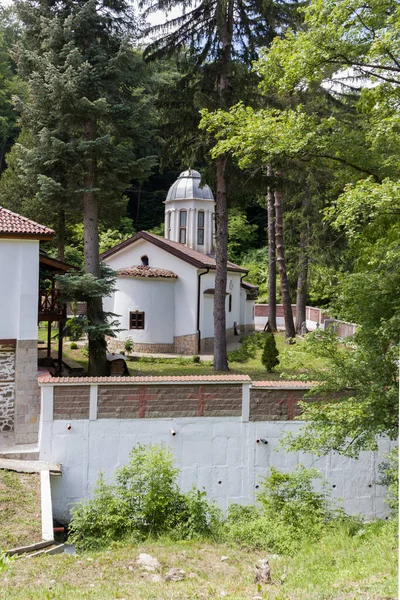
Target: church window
x,y
169,226
136,320
200,228
182,226
145,261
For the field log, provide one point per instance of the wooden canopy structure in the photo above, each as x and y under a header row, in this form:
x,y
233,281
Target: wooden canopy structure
x,y
51,308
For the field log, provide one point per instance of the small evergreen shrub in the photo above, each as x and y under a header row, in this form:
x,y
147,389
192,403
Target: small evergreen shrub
x,y
196,359
270,353
143,500
73,346
288,513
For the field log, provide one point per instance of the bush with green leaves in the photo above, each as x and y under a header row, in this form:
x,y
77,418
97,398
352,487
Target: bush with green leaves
x,y
4,560
143,500
128,345
270,353
289,512
389,471
248,347
73,346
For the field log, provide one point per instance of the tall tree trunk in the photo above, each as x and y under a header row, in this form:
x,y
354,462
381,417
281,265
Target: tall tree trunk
x,y
221,257
301,297
284,284
220,349
97,343
271,256
61,235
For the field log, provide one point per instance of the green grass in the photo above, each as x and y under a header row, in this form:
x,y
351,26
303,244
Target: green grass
x,y
20,520
339,567
185,366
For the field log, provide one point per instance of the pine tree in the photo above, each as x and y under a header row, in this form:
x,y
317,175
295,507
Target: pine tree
x,y
270,353
217,36
88,115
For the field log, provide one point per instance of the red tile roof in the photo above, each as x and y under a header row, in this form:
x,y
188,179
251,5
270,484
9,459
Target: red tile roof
x,y
13,225
285,384
146,272
181,251
148,379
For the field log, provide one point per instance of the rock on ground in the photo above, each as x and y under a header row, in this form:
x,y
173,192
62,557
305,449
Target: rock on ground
x,y
148,562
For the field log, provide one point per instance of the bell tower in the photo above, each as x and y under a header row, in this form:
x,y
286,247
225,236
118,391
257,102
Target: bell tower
x,y
190,213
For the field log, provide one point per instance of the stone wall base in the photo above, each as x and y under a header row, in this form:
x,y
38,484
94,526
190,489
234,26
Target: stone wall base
x,y
27,396
186,344
207,344
7,385
153,348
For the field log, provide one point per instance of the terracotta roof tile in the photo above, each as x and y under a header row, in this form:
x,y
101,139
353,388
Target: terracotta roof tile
x,y
180,250
43,379
285,384
14,225
146,272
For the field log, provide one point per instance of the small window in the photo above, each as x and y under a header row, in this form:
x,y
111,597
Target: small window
x,y
145,261
200,228
182,226
230,303
136,320
169,226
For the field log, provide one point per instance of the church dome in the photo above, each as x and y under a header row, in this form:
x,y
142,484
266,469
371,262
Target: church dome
x,y
187,187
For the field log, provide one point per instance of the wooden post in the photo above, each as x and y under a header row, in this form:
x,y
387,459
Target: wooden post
x,y
49,338
60,346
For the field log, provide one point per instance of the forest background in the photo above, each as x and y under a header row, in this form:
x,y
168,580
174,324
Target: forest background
x,y
291,113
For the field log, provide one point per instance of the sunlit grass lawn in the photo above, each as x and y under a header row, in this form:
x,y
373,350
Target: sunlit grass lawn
x,y
339,567
176,366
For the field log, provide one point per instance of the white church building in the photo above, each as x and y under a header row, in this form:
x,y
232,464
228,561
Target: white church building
x,y
165,286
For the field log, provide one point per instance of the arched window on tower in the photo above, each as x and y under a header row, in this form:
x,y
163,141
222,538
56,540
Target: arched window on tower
x,y
200,228
182,226
169,225
145,260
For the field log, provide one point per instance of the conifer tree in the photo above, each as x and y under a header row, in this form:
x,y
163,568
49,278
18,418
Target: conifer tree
x,y
270,353
217,35
86,113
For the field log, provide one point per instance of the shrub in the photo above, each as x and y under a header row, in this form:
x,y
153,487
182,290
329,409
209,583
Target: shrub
x,y
289,512
144,500
4,560
128,345
390,478
248,348
73,346
270,353
196,359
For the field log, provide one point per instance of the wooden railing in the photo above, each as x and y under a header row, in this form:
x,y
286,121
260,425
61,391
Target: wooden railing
x,y
50,305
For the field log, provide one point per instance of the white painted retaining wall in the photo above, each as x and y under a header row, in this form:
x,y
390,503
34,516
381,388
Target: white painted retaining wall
x,y
219,454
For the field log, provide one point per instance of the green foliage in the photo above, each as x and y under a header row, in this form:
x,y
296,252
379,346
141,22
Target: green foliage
x,y
241,235
270,353
390,478
248,347
4,561
128,345
289,513
73,346
144,500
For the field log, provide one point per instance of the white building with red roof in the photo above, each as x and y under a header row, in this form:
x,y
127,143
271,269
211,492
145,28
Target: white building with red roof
x,y
165,286
19,277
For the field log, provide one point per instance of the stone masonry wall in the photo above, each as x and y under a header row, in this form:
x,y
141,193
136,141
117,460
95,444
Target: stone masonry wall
x,y
7,386
27,394
160,401
71,402
153,348
186,344
274,404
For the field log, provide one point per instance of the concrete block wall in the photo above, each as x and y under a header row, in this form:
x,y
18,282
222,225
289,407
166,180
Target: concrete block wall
x,y
92,425
7,385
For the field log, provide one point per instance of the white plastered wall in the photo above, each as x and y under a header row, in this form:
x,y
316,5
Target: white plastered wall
x,y
19,277
185,287
192,208
154,297
218,454
207,302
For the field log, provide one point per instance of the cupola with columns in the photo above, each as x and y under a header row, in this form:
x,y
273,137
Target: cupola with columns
x,y
189,213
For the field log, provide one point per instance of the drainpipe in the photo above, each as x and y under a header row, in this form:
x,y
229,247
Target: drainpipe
x,y
240,287
198,309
